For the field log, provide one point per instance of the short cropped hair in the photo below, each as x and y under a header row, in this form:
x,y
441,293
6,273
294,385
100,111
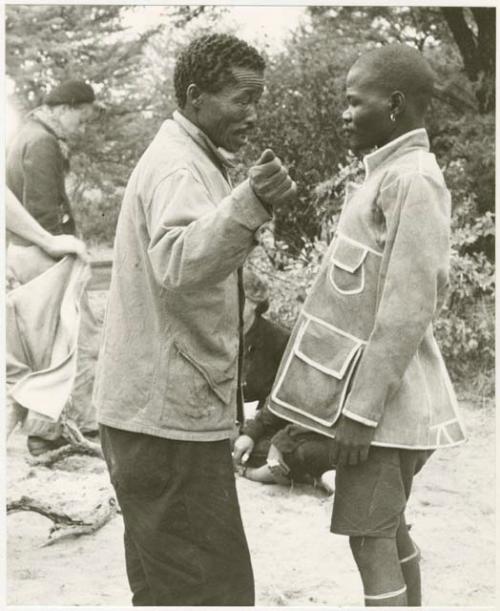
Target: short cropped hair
x,y
207,62
400,67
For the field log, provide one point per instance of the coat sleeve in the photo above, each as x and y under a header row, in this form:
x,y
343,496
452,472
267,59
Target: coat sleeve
x,y
43,170
195,241
417,214
265,424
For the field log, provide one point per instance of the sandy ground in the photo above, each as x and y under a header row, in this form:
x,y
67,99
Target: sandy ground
x,y
296,561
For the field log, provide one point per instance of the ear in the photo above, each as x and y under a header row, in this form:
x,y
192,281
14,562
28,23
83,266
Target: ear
x,y
194,96
397,102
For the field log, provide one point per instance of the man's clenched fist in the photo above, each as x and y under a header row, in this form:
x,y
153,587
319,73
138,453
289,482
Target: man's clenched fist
x,y
270,180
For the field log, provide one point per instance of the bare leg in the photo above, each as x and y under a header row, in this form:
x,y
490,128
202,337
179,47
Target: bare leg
x,y
378,563
260,474
409,559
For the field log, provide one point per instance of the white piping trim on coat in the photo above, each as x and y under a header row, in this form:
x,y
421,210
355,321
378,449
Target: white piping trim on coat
x,y
332,372
389,145
351,361
343,291
342,235
322,421
333,328
449,388
367,421
403,446
373,443
446,423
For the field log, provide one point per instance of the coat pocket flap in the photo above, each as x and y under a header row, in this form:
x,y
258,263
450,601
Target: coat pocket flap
x,y
314,376
326,348
348,255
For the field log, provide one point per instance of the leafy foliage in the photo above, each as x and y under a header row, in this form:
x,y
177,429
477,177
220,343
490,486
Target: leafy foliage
x,y
300,118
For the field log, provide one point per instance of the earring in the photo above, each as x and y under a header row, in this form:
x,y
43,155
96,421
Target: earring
x,y
392,117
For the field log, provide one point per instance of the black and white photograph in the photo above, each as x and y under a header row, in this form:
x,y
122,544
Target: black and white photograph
x,y
249,305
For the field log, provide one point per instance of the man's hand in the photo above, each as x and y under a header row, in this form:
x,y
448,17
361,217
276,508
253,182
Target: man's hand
x,y
270,180
58,246
352,442
243,447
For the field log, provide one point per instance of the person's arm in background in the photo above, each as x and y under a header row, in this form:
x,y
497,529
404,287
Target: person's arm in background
x,y
20,222
265,423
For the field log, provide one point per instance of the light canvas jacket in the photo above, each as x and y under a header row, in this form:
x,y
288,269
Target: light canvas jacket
x,y
169,360
363,344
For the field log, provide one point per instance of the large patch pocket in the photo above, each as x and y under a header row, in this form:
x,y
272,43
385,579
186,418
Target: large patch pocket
x,y
315,377
347,269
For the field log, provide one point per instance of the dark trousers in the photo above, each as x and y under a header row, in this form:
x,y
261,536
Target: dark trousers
x,y
184,539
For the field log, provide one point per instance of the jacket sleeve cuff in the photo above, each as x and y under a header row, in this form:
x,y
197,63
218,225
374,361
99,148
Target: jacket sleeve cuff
x,y
246,208
358,418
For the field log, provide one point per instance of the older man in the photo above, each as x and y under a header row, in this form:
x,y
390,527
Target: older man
x,y
37,159
170,367
36,168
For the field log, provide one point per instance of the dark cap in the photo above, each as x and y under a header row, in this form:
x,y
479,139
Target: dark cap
x,y
70,92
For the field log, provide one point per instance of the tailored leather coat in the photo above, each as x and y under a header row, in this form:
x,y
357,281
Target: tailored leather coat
x,y
363,344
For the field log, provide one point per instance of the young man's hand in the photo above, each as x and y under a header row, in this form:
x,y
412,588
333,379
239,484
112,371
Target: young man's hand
x,y
352,442
270,180
243,447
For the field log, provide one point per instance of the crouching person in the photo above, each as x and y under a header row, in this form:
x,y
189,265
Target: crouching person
x,y
269,449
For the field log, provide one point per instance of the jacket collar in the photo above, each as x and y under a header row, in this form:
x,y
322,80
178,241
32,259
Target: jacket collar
x,y
221,156
415,139
34,117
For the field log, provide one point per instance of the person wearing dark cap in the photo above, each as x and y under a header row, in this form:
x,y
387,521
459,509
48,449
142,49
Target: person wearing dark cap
x,y
37,159
36,166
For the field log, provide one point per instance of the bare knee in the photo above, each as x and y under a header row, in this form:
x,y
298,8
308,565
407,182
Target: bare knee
x,y
362,551
369,552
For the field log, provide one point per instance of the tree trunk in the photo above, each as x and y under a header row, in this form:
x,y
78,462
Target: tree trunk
x,y
477,50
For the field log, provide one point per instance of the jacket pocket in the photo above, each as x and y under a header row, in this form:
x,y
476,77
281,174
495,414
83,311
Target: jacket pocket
x,y
314,379
347,270
199,382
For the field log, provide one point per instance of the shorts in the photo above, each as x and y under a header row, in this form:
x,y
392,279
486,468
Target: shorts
x,y
370,497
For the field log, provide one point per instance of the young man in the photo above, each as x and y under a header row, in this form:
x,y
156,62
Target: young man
x,y
170,365
362,364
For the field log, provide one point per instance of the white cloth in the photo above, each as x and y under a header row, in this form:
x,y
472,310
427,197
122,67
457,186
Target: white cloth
x,y
42,327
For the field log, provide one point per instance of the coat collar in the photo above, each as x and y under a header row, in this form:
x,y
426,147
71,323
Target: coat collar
x,y
34,117
415,139
222,157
